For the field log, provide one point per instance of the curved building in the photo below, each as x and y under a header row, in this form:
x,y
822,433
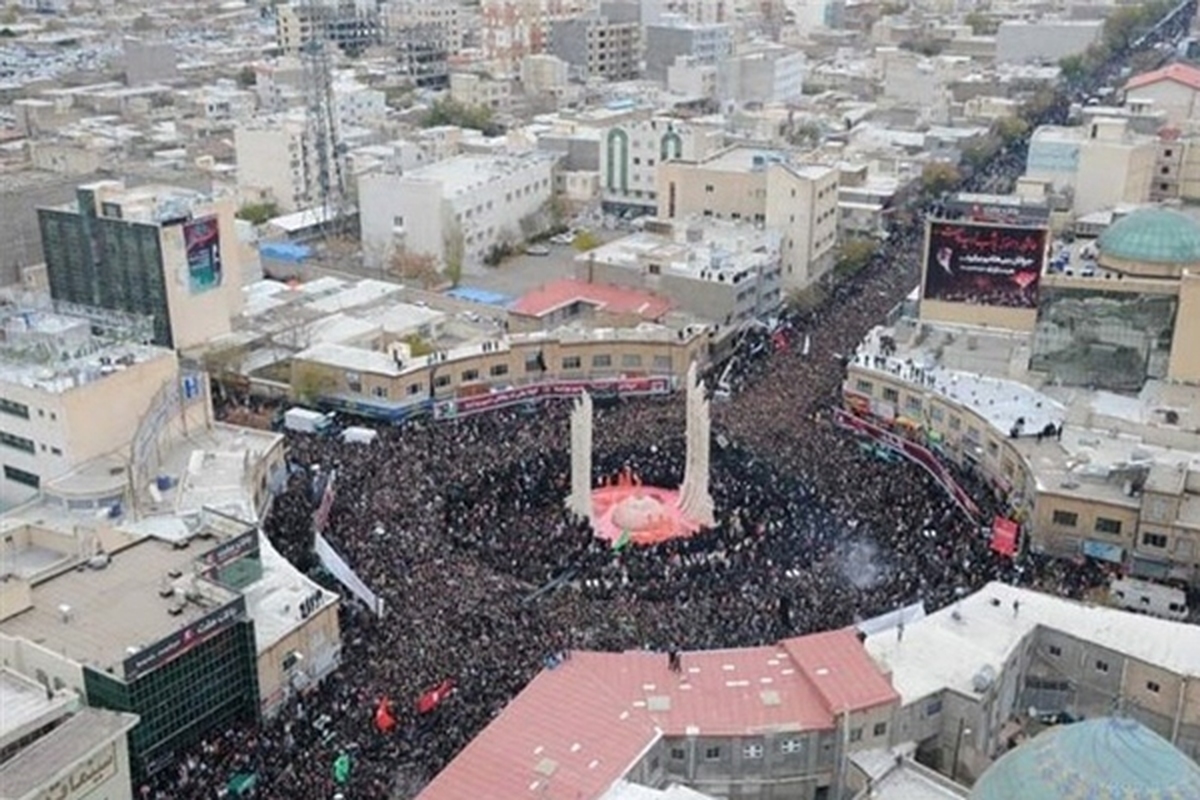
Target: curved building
x,y
1106,758
1152,243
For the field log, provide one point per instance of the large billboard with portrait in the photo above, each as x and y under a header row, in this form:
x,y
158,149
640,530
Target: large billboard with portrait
x,y
202,244
981,264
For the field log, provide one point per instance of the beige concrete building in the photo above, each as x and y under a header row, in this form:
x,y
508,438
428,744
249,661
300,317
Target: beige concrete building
x,y
1103,164
55,747
765,188
1174,90
479,90
632,150
274,162
969,674
1082,412
385,380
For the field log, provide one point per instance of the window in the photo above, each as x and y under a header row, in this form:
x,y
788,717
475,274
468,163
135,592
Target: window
x,y
398,222
13,407
933,708
497,370
790,746
1154,687
441,381
708,188
379,391
936,413
21,476
534,363
913,404
414,388
752,751
1110,526
880,728
354,381
56,451
955,423
470,375
631,360
572,362
866,387
678,754
662,362
1067,519
712,753
1101,666
856,734
1167,153
1154,539
1055,650
17,442
890,395
599,361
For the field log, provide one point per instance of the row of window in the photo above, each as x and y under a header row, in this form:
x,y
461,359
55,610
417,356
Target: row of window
x,y
22,477
753,750
1070,519
1102,666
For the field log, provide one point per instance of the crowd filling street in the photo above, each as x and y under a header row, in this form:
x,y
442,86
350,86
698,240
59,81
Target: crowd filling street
x,y
460,526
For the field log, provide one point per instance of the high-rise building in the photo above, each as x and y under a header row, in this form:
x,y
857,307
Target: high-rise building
x,y
605,45
164,252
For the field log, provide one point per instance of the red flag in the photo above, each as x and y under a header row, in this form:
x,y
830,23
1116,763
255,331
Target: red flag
x,y
1005,536
433,698
780,340
384,720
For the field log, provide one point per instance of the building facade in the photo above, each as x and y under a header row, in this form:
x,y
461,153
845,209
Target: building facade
x,y
699,44
1103,164
632,150
763,187
607,45
460,208
163,252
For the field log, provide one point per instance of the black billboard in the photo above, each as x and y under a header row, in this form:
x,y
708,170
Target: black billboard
x,y
988,265
171,647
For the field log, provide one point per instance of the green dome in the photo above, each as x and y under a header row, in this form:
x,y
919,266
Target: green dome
x,y
1152,236
1100,759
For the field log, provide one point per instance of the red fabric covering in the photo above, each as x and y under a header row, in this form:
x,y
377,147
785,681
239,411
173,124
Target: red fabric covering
x,y
384,720
434,697
1004,536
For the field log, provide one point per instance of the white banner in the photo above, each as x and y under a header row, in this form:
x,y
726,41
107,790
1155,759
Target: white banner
x,y
337,566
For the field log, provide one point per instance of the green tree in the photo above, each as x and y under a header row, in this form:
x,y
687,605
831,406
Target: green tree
x,y
452,244
1073,68
585,240
982,24
247,77
310,382
854,254
938,177
258,213
446,111
417,345
1009,129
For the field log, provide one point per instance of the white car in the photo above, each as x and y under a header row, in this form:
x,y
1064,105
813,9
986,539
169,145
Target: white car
x,y
537,250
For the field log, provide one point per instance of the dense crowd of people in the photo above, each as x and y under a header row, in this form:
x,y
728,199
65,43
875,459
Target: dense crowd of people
x,y
460,526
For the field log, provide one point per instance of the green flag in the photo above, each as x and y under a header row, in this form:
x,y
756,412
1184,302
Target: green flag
x,y
341,769
623,541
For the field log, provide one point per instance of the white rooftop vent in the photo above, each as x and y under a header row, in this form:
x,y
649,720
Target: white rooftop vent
x,y
658,702
65,612
546,766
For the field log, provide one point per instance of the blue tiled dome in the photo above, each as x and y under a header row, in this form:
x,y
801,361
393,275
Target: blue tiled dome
x,y
1152,236
1100,759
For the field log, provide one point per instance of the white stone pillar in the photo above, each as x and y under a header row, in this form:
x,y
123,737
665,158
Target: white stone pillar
x,y
694,498
582,416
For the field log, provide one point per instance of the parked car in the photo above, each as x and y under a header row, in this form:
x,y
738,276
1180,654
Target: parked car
x,y
537,250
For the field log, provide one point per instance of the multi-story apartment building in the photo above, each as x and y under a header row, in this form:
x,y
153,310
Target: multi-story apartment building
x,y
605,45
159,251
1104,164
1081,410
761,73
700,44
277,160
770,722
480,90
346,25
424,35
722,271
765,188
633,149
513,29
461,207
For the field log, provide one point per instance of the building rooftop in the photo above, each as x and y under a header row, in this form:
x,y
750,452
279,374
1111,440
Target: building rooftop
x,y
81,734
621,703
949,648
95,616
465,174
893,775
26,703
605,297
1177,72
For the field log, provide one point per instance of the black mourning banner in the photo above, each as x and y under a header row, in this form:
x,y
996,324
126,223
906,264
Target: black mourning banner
x,y
986,265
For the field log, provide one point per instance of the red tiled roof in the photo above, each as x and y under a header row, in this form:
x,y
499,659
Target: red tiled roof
x,y
1180,73
605,296
576,730
841,670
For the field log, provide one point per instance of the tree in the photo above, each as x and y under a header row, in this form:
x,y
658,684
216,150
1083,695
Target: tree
x,y
1073,68
446,111
417,345
258,213
938,177
982,24
143,23
586,240
310,382
247,77
854,254
9,16
453,247
418,268
1009,129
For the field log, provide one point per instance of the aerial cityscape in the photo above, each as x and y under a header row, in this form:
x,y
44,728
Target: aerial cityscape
x,y
600,400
